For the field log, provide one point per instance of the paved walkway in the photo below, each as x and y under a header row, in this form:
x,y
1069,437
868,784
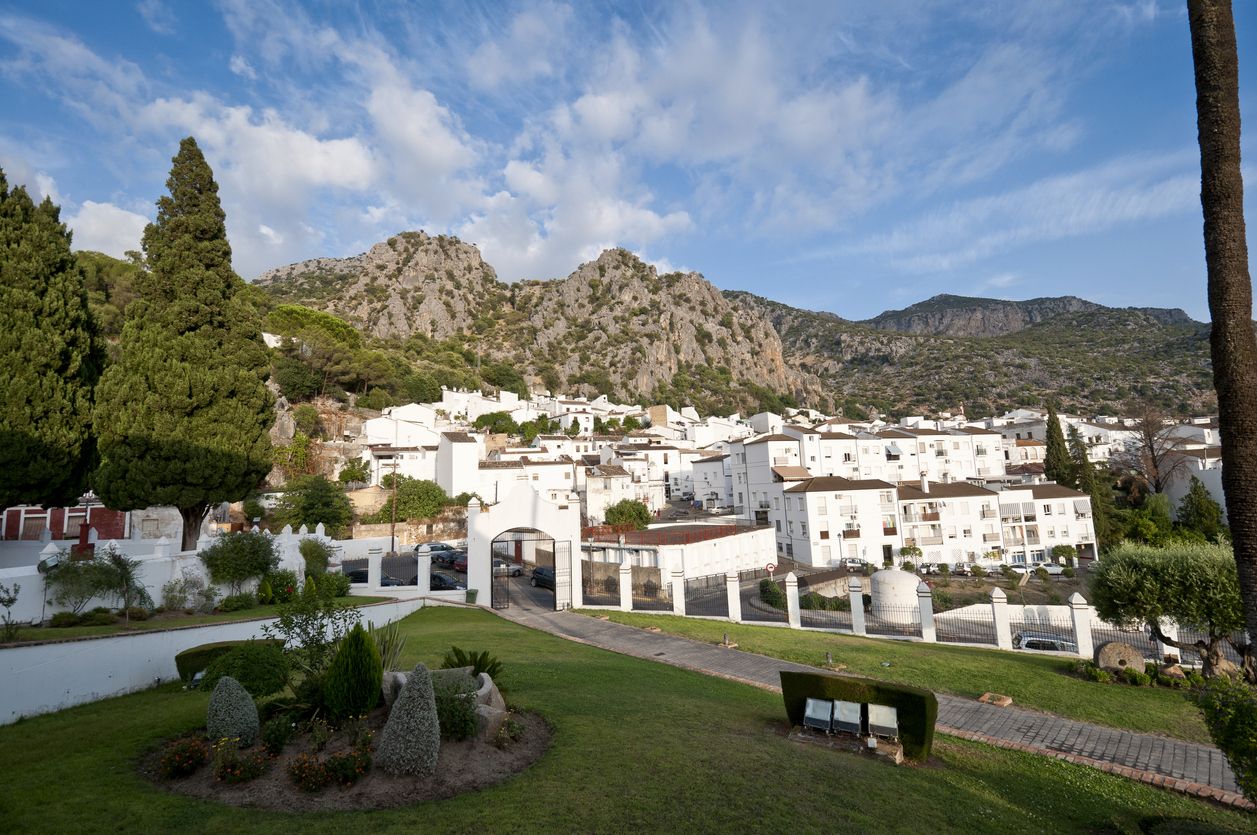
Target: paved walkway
x,y
1184,766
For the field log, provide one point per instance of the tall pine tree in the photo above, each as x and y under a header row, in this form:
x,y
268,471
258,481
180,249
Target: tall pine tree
x,y
183,416
1095,482
49,357
1057,464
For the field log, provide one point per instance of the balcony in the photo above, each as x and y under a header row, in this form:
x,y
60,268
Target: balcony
x,y
990,537
931,540
986,513
929,516
762,506
851,533
889,531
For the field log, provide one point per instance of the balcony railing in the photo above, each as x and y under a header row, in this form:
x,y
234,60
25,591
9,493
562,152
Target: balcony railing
x,y
889,531
986,513
990,537
851,533
929,516
931,540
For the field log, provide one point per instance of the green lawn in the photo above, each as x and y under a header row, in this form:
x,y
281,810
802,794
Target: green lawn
x,y
31,634
638,747
1042,682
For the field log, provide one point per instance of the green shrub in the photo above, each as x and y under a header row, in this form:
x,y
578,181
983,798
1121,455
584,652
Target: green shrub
x,y
285,585
917,708
1007,571
231,766
348,767
455,706
276,733
909,567
480,662
231,714
265,595
310,628
1068,573
195,659
411,740
259,666
510,733
316,553
137,613
1194,678
976,570
772,594
1041,574
333,586
238,602
64,619
236,558
352,685
183,757
98,618
311,588
1135,677
308,773
390,641
1230,712
942,600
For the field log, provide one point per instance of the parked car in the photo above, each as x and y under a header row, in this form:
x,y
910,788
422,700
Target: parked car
x,y
1050,567
359,575
960,569
432,548
543,576
460,563
502,568
853,564
1043,641
444,582
446,559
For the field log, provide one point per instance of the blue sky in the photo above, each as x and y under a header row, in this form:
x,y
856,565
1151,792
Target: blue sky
x,y
841,156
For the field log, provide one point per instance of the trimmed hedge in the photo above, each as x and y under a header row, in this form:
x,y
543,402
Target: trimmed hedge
x,y
917,708
197,659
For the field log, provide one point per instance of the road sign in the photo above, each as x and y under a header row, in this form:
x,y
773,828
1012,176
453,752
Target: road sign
x,y
771,567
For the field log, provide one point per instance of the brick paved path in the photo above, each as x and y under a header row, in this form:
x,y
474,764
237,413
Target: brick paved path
x,y
1185,766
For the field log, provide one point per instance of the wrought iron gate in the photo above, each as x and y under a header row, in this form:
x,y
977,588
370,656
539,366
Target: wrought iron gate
x,y
500,591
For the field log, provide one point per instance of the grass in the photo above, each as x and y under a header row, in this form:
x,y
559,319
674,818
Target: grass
x,y
36,634
1042,682
638,747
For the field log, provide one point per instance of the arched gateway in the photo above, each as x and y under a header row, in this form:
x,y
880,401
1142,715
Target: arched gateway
x,y
522,524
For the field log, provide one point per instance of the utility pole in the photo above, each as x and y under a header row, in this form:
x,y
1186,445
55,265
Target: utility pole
x,y
392,525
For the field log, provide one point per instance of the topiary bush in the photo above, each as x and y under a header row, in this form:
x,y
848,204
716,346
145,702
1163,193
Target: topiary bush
x,y
1230,711
232,713
260,666
333,585
352,684
411,740
316,553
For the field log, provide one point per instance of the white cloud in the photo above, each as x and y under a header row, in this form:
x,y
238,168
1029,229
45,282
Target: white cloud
x,y
106,228
524,52
241,67
159,17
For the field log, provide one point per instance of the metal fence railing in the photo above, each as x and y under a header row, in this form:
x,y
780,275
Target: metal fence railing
x,y
402,567
893,620
756,609
1103,633
964,628
826,618
1186,635
707,596
1045,629
650,596
600,586
355,570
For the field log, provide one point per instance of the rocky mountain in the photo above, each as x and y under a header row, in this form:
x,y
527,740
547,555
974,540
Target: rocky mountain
x,y
614,325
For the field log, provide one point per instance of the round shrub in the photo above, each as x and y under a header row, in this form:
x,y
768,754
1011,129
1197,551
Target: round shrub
x,y
64,619
137,613
1068,573
99,618
456,706
333,585
976,570
236,558
411,740
285,585
237,602
232,713
260,666
352,684
908,566
183,757
316,553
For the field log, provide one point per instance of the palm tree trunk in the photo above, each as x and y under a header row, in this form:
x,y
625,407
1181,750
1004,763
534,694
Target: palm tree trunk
x,y
1232,345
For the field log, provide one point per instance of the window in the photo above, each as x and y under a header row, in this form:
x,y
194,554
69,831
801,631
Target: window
x,y
825,553
776,503
803,529
824,533
820,506
790,528
534,476
777,522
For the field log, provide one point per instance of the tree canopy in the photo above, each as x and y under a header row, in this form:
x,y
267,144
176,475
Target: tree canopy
x,y
1057,464
628,512
1200,512
416,499
183,416
312,499
50,356
497,422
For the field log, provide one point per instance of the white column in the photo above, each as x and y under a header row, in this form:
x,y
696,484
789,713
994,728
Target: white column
x,y
577,584
926,603
999,611
1169,629
161,548
423,565
792,601
374,553
855,592
626,586
1080,612
733,589
678,592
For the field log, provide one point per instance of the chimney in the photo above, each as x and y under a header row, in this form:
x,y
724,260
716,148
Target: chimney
x,y
925,482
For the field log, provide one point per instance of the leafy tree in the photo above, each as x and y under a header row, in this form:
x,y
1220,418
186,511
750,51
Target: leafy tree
x,y
296,380
356,470
1057,464
497,423
1194,584
110,288
377,399
416,499
50,357
632,424
183,417
306,418
505,378
1198,511
297,458
628,512
120,576
312,499
574,429
1155,458
72,583
1232,344
234,559
1151,524
1094,480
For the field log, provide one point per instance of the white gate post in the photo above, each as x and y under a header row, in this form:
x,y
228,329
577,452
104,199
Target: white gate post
x,y
999,612
733,590
1169,628
855,593
373,566
626,586
575,571
678,592
1080,613
792,601
925,601
423,565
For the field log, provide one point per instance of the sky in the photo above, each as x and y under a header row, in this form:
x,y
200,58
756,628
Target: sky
x,y
843,156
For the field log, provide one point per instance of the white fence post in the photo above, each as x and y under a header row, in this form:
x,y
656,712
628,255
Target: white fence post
x,y
678,592
626,586
855,592
1169,629
926,603
733,590
374,553
423,567
1080,612
999,612
792,601
161,548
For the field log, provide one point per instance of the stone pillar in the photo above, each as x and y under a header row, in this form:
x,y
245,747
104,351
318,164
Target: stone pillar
x,y
626,586
855,592
577,584
304,530
925,600
162,548
999,612
678,592
1169,628
1080,612
423,565
792,601
733,589
374,553
320,531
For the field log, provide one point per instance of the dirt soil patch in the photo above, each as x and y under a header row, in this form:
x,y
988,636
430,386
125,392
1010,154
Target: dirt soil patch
x,y
462,767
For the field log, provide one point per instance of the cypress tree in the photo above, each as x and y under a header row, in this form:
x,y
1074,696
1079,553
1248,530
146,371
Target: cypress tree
x,y
50,357
1093,481
183,416
1056,463
1200,512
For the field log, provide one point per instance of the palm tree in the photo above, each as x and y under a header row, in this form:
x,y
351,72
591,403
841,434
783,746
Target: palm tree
x,y
1232,344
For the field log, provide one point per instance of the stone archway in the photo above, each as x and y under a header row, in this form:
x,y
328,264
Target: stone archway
x,y
523,508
